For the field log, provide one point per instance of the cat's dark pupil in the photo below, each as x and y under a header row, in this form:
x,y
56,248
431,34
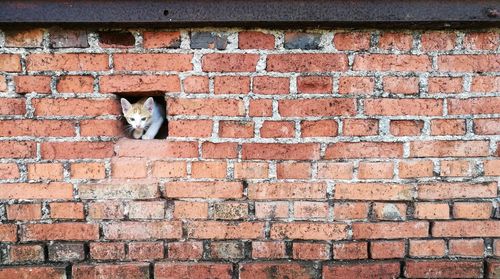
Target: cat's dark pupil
x,y
132,119
144,118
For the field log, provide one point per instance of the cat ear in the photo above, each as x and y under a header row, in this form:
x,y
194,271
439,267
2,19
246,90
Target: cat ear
x,y
125,105
149,104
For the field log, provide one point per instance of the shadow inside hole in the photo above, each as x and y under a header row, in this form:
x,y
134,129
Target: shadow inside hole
x,y
163,132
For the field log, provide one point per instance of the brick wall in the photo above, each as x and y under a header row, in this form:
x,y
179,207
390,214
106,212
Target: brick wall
x,y
334,153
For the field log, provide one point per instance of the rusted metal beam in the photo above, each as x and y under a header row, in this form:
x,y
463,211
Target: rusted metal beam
x,y
255,13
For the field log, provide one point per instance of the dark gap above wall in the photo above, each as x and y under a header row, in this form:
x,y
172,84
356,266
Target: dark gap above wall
x,y
256,13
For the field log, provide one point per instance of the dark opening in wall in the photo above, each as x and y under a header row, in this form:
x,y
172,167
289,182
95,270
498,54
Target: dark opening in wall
x,y
158,100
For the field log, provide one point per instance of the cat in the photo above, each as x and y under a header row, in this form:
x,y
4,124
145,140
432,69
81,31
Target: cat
x,y
145,117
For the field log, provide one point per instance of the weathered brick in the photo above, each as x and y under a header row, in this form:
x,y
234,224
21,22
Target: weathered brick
x,y
211,40
466,247
196,84
224,230
390,230
482,40
350,211
479,228
225,150
310,210
350,250
66,252
314,84
492,167
27,38
486,105
75,84
36,191
468,63
389,211
360,127
255,40
406,127
437,40
146,210
487,126
364,150
206,107
392,62
32,84
356,85
139,84
156,149
65,38
190,210
277,129
264,191
317,107
36,128
10,62
17,149
169,169
60,231
208,169
300,40
427,248
394,107
373,191
387,249
231,85
455,168
24,212
229,62
375,170
445,85
352,40
10,106
395,41
87,171
271,85
429,210
170,270
142,251
117,190
485,84
236,129
277,270
443,191
311,251
309,231
162,39
67,62
230,211
109,210
66,210
414,169
75,107
251,170
76,150
447,148
472,210
293,170
226,250
143,230
188,250
271,210
9,171
362,270
280,151
268,249
32,272
114,271
442,127
8,232
443,269
107,250
203,190
306,62
52,171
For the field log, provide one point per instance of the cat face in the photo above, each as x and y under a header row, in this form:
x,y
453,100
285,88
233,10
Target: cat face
x,y
139,114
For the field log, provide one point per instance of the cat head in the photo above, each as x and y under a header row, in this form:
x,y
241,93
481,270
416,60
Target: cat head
x,y
138,115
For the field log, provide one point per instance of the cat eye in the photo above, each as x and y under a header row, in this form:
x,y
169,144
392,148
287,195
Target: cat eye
x,y
143,119
132,119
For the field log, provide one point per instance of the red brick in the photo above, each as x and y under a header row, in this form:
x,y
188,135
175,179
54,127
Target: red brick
x,y
76,150
311,251
268,249
8,232
314,84
161,39
429,210
261,107
278,129
143,230
231,85
225,150
449,148
350,250
169,169
152,62
114,271
280,151
41,191
352,40
319,128
106,210
487,126
472,210
226,250
27,38
216,189
442,127
156,149
143,251
271,210
373,191
12,106
75,107
401,85
375,170
395,41
190,210
190,128
66,210
53,171
3,83
455,168
107,250
437,40
229,62
236,129
306,62
37,128
443,269
146,210
225,230
24,212
30,84
486,105
251,170
387,249
271,85
9,171
87,171
255,40
389,211
25,253
356,85
139,84
10,62
17,149
392,62
360,127
210,169
364,150
456,190
310,210
400,107
286,191
335,170
350,211
492,167
482,40
60,231
427,248
32,272
406,127
119,189
67,62
189,250
493,268
466,247
485,84
480,228
206,107
128,168
172,270
309,231
362,270
103,128
469,63
196,84
317,107
445,85
416,168
293,170
230,211
390,230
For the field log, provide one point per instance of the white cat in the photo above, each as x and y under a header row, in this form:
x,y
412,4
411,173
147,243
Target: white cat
x,y
145,117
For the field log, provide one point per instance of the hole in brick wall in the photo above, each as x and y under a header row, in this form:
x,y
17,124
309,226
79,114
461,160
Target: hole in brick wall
x,y
163,132
118,39
165,12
